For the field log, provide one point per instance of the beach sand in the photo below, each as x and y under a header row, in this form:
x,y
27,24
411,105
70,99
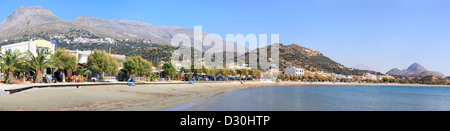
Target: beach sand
x,y
124,98
119,97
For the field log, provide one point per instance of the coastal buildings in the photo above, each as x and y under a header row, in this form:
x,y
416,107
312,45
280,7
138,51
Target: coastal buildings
x,y
120,59
447,80
432,78
34,46
107,40
368,76
82,57
295,71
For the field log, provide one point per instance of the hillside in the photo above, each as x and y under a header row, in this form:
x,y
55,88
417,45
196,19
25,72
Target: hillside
x,y
312,60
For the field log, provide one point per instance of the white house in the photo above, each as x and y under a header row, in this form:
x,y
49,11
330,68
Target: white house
x,y
295,71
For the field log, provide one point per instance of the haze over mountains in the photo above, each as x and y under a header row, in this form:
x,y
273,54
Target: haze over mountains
x,y
15,26
415,70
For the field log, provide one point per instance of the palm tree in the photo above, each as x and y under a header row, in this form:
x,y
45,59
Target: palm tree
x,y
10,62
154,76
39,63
84,72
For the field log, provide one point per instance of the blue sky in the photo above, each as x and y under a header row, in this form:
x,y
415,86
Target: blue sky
x,y
382,34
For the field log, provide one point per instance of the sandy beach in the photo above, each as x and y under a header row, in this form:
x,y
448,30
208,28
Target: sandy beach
x,y
125,98
120,97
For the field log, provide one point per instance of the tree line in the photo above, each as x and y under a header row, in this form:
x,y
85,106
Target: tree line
x,y
13,63
29,64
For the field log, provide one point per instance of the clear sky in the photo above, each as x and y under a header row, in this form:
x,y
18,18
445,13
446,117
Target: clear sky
x,y
382,34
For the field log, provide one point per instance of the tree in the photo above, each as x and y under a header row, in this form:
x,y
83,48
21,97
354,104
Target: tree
x,y
284,76
137,65
84,72
233,73
169,71
10,62
311,78
255,73
100,62
184,70
291,77
154,76
220,72
63,60
243,72
189,76
39,63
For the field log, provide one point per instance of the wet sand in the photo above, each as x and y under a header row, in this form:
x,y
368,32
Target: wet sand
x,y
125,98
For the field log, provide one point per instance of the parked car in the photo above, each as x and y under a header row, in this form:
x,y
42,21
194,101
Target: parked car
x,y
232,78
211,78
197,78
220,78
249,78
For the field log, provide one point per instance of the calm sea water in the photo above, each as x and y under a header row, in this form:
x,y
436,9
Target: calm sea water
x,y
327,98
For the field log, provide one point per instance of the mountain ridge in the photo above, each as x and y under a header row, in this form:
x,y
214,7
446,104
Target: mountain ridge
x,y
414,70
46,22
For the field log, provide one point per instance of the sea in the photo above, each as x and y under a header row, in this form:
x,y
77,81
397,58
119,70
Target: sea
x,y
326,98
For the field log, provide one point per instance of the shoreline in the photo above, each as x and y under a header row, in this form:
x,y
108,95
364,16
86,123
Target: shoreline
x,y
138,98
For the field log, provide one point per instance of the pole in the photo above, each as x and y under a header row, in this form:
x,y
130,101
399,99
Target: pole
x,y
29,40
29,33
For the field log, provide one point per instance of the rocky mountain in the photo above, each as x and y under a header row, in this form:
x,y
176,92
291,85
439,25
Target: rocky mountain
x,y
18,19
414,70
311,60
45,22
394,71
134,29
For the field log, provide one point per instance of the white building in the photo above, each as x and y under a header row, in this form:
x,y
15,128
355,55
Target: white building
x,y
369,76
22,47
294,71
34,45
82,56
